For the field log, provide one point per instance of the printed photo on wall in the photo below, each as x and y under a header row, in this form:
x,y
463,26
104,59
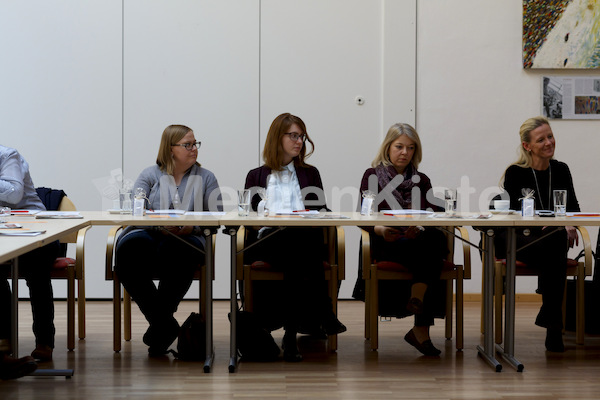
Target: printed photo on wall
x,y
571,97
561,34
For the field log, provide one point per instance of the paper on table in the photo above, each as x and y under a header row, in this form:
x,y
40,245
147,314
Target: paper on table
x,y
297,212
24,212
58,214
24,232
205,213
10,226
583,214
405,212
170,212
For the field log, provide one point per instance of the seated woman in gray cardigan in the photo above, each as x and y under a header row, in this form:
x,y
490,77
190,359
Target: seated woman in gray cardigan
x,y
177,181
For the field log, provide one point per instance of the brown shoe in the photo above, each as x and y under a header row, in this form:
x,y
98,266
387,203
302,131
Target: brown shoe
x,y
42,352
13,368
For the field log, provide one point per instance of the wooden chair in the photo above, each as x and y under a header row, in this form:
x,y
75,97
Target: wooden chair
x,y
335,270
72,270
110,275
577,269
375,271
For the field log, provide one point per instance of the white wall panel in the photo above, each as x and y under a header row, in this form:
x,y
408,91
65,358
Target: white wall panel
x,y
60,103
316,58
193,63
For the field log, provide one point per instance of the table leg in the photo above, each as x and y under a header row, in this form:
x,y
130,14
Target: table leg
x,y
208,311
509,313
233,357
14,319
67,373
487,352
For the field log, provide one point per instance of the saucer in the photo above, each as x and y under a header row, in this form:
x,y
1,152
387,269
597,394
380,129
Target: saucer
x,y
502,212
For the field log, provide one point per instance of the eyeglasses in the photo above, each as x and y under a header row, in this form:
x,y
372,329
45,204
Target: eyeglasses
x,y
295,136
189,146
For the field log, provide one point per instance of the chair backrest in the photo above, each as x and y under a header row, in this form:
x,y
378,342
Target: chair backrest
x,y
57,200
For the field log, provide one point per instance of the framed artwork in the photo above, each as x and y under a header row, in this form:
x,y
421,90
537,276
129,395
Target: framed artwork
x,y
561,34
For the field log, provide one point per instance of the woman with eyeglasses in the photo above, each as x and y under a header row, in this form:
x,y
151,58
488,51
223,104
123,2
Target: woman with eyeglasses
x,y
177,181
298,252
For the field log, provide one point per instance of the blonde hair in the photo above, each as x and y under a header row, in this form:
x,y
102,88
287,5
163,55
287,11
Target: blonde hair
x,y
395,131
171,135
273,154
525,160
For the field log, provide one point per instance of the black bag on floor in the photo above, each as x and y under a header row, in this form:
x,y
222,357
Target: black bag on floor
x,y
254,342
191,342
592,299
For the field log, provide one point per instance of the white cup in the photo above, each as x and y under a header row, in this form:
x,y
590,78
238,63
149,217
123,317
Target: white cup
x,y
501,205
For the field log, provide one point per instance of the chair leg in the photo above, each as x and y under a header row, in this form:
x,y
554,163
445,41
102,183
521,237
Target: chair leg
x,y
248,290
580,312
126,315
374,310
333,293
449,301
81,307
71,308
367,309
116,316
460,310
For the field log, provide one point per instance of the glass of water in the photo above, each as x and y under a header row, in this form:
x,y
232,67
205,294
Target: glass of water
x,y
450,198
560,203
243,202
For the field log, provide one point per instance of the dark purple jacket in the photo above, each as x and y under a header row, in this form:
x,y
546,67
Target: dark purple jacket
x,y
308,177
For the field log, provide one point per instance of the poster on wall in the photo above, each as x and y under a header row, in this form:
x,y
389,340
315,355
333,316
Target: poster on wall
x,y
561,34
571,97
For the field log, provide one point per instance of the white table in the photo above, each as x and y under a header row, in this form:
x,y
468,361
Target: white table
x,y
232,222
210,223
11,247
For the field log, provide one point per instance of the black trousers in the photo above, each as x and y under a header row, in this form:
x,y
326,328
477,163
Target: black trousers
x,y
145,255
35,266
423,256
299,253
549,257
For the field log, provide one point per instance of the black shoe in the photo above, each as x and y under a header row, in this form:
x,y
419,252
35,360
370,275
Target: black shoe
x,y
427,348
331,325
415,306
160,336
554,342
291,353
42,352
334,327
13,368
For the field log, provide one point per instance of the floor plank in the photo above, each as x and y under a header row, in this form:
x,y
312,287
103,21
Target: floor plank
x,y
396,371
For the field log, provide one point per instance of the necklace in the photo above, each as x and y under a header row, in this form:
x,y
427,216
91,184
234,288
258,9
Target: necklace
x,y
549,186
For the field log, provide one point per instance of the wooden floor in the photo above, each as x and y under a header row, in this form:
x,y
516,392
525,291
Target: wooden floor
x,y
354,372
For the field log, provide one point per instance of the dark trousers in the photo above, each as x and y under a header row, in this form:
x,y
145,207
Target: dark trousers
x,y
549,257
299,254
423,256
145,255
35,266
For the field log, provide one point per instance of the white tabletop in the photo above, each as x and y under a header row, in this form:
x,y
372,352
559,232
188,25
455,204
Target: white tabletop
x,y
14,246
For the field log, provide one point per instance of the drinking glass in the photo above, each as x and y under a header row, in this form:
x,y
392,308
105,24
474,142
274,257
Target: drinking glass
x,y
450,197
560,203
125,200
243,202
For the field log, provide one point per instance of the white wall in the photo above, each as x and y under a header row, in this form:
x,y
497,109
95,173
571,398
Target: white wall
x,y
473,95
93,84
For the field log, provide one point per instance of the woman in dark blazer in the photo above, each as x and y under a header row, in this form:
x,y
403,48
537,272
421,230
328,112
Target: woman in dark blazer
x,y
291,184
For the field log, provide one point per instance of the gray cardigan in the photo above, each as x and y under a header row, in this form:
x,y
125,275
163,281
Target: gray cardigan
x,y
198,190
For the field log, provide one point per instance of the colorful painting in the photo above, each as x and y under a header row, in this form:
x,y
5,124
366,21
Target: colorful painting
x,y
561,34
